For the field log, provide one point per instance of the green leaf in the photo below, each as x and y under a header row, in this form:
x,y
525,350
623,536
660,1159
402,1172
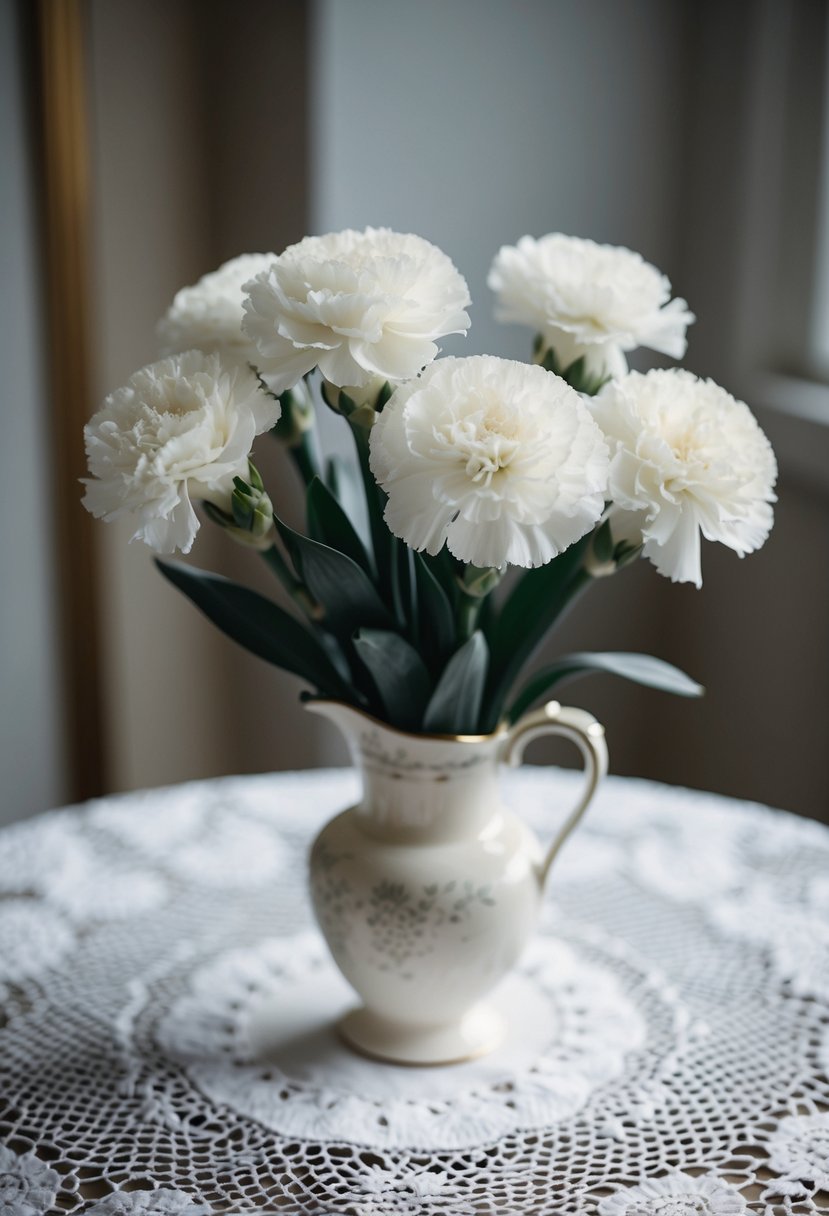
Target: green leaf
x,y
399,581
445,569
455,704
435,612
346,595
640,668
259,625
575,373
343,478
399,674
375,499
414,599
550,361
329,524
535,603
335,653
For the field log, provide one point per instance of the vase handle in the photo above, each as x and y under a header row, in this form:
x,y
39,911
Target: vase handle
x,y
586,733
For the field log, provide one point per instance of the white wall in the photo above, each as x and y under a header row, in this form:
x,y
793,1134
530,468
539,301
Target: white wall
x,y
476,121
32,771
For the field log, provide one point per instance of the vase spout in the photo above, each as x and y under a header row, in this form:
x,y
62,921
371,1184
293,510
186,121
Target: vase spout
x,y
346,717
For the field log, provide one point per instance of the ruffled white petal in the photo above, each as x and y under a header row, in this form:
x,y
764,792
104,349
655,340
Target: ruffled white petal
x,y
179,430
687,460
677,557
589,300
360,305
208,315
500,461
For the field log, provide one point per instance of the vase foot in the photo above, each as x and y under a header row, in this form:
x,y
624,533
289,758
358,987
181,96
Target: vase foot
x,y
477,1033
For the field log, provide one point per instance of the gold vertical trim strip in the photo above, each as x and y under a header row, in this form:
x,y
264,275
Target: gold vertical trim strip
x,y
65,178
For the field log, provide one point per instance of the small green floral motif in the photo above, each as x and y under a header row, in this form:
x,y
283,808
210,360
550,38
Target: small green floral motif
x,y
405,923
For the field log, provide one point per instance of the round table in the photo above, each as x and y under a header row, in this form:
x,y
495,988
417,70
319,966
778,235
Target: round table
x,y
167,1010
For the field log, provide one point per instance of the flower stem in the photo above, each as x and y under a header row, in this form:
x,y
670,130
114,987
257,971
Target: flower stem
x,y
305,457
296,589
414,604
469,608
381,539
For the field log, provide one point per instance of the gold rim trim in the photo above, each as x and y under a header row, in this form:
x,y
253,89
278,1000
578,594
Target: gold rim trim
x,y
500,730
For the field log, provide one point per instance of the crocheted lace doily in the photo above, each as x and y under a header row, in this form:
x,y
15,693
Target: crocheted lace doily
x,y
166,1010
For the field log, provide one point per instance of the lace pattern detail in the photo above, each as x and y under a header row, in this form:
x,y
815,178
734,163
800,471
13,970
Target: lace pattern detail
x,y
164,1202
28,1186
33,938
255,1033
676,1194
165,1042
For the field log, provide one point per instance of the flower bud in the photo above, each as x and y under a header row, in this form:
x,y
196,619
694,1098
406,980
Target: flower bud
x,y
359,405
297,415
250,519
605,555
625,553
477,582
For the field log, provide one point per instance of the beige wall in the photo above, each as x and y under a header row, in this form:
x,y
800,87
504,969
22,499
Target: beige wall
x,y
196,157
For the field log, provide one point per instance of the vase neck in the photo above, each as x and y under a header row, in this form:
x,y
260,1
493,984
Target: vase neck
x,y
424,789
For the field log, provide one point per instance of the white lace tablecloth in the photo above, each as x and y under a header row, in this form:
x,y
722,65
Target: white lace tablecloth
x,y
166,1011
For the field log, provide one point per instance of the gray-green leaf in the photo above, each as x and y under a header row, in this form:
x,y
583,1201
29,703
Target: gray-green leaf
x,y
399,674
455,706
329,524
438,632
640,668
348,598
537,600
259,625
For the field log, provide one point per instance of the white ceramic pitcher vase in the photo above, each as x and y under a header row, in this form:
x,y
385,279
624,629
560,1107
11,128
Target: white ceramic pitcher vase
x,y
428,889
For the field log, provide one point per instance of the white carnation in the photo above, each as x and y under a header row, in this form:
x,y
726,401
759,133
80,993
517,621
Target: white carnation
x,y
364,307
179,430
208,315
590,300
686,458
500,460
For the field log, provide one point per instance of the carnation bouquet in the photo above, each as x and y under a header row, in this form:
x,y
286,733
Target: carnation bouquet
x,y
481,495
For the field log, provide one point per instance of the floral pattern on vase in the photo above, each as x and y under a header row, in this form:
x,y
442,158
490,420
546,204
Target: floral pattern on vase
x,y
406,923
